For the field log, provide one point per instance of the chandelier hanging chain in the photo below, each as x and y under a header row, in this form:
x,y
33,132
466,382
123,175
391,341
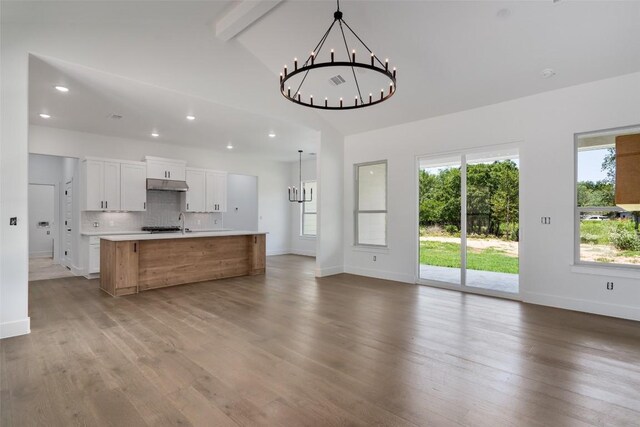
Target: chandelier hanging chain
x,y
312,63
353,70
316,51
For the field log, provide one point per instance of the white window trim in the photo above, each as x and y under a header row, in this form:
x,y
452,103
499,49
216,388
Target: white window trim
x,y
357,211
303,213
579,266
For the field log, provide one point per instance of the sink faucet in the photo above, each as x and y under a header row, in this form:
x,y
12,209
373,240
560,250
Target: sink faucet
x,y
181,219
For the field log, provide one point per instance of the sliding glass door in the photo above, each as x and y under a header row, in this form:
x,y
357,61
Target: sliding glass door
x,y
469,221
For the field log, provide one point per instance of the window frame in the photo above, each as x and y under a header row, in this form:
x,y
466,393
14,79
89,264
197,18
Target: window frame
x,y
578,210
303,213
357,211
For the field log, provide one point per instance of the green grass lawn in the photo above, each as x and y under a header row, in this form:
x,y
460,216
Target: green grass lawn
x,y
443,254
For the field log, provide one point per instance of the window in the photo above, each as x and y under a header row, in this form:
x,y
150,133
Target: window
x,y
309,214
608,198
371,204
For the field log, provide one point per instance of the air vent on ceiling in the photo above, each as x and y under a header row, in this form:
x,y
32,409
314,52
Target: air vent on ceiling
x,y
115,116
337,80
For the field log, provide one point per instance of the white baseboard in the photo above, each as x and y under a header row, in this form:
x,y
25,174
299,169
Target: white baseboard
x,y
15,328
303,252
380,274
329,271
278,252
587,306
41,254
77,271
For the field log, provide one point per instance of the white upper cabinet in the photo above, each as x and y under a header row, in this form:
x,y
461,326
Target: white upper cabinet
x,y
216,199
101,185
195,196
133,186
161,168
112,186
93,184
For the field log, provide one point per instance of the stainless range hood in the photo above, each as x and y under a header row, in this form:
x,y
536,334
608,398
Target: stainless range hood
x,y
166,185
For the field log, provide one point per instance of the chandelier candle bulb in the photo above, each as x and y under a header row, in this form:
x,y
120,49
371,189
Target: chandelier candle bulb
x,y
370,98
295,64
356,101
298,96
280,77
313,57
390,88
340,102
332,55
326,102
381,93
289,91
285,71
386,64
353,55
394,72
372,58
311,99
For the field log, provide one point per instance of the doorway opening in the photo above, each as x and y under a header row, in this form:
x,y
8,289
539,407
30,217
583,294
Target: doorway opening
x,y
51,216
469,221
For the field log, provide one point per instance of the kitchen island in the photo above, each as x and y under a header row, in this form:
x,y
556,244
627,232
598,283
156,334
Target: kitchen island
x,y
138,262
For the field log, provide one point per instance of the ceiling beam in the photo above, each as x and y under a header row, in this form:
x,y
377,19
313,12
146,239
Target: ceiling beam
x,y
241,17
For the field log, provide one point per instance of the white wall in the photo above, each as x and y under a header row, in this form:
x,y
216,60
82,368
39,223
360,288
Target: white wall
x,y
301,245
543,127
273,177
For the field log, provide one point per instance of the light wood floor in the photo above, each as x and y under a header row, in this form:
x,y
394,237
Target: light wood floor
x,y
286,349
44,268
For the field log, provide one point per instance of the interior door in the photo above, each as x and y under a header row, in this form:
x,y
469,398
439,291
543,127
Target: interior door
x,y
68,217
41,220
242,212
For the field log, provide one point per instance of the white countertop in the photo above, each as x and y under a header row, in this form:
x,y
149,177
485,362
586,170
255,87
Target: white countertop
x,y
111,233
188,235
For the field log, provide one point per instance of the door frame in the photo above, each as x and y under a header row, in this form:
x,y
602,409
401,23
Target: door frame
x,y
66,259
462,287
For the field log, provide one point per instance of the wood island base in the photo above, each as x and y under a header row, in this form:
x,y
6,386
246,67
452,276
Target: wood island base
x,y
131,266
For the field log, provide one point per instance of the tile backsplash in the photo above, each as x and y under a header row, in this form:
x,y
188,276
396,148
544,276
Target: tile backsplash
x,y
163,209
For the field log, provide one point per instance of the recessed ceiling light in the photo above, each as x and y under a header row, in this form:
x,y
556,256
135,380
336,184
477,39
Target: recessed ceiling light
x,y
229,146
155,134
191,118
272,135
45,116
548,73
62,89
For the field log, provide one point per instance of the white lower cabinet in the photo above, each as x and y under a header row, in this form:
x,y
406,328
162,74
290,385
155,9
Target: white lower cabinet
x,y
94,258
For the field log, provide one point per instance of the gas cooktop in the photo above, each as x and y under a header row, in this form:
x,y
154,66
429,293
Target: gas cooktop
x,y
162,229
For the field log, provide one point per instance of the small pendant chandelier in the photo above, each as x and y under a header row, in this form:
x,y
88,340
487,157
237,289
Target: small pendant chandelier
x,y
372,97
294,193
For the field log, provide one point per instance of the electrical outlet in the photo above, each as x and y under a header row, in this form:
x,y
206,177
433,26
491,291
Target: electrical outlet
x,y
96,224
374,258
13,220
609,286
545,220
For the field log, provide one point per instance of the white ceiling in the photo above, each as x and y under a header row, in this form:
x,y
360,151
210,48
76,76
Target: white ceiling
x,y
93,96
457,55
451,56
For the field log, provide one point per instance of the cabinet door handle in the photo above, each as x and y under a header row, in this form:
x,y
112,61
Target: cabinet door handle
x,y
169,174
101,205
187,206
165,174
144,205
106,204
135,247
